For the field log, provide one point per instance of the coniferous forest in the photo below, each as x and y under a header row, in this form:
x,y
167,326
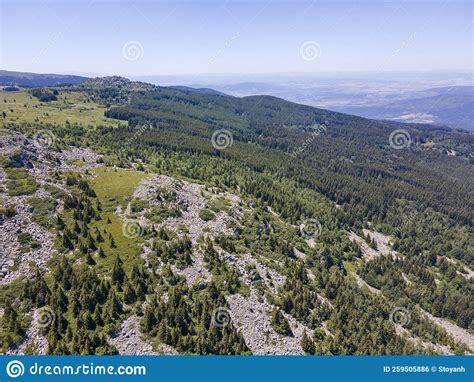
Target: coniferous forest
x,y
130,227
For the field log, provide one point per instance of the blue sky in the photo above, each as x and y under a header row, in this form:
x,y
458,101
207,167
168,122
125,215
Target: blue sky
x,y
176,37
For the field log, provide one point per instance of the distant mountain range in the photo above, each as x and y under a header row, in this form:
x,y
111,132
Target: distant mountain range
x,y
30,80
436,98
403,100
451,106
198,90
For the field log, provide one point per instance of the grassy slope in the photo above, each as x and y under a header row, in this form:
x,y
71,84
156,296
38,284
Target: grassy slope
x,y
70,106
114,188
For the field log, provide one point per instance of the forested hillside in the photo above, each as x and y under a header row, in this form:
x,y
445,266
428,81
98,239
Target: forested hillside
x,y
153,220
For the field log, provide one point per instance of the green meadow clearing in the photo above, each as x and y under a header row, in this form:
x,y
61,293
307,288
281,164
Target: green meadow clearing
x,y
71,106
114,187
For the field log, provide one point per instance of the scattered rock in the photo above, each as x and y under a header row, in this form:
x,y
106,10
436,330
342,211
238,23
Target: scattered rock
x,y
129,340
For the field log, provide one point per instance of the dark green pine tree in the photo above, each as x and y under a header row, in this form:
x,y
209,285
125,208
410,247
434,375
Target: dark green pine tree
x,y
112,242
129,296
98,236
149,319
118,274
113,306
74,304
84,229
60,223
90,242
89,259
163,332
76,227
280,323
307,344
97,317
66,242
